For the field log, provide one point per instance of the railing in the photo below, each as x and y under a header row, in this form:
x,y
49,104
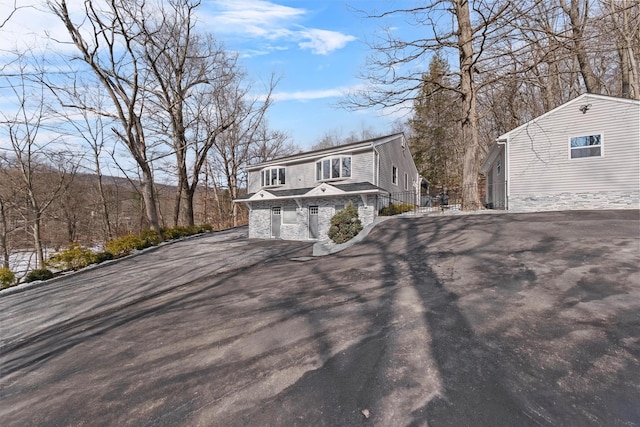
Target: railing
x,y
491,197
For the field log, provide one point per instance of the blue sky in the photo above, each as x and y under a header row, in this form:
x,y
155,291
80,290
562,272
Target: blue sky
x,y
316,48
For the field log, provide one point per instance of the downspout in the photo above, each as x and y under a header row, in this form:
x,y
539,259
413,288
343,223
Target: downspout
x,y
376,166
506,171
376,173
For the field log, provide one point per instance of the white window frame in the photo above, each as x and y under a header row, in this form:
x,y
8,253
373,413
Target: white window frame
x,y
394,174
289,215
280,179
586,147
324,168
406,182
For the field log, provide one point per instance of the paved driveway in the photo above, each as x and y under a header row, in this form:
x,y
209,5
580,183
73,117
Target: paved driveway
x,y
511,319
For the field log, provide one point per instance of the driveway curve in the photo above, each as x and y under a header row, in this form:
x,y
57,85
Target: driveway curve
x,y
510,319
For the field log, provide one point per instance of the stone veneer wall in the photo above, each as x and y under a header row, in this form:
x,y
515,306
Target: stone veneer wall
x,y
576,201
260,216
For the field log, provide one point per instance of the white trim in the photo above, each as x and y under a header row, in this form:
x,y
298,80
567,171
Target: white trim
x,y
591,146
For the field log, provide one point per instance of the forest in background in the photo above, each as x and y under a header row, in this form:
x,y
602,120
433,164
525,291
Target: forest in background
x,y
142,93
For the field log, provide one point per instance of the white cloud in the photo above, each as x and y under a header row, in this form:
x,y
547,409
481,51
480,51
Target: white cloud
x,y
262,19
307,95
322,42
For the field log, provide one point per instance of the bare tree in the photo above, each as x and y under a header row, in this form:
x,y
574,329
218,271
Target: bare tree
x,y
107,40
185,65
624,23
392,81
578,13
89,127
39,165
234,146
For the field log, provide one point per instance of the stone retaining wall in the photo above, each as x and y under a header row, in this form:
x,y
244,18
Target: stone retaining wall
x,y
576,201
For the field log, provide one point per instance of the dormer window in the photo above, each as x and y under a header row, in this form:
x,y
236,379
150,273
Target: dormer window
x,y
338,167
272,177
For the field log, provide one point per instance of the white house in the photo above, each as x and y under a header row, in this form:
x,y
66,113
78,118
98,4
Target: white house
x,y
584,154
294,197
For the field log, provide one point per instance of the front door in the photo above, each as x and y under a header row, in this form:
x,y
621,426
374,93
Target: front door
x,y
276,220
313,222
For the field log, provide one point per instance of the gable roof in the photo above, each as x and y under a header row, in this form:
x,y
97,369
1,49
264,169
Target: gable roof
x,y
584,98
323,152
323,189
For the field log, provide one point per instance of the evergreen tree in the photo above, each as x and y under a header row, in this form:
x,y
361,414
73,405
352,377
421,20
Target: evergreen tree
x,y
435,128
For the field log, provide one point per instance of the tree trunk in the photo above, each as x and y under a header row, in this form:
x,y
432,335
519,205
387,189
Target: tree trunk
x,y
629,67
578,22
471,168
149,198
186,211
37,238
107,233
177,200
4,247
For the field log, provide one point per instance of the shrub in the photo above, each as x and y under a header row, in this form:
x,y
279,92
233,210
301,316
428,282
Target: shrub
x,y
103,256
38,274
175,232
7,277
178,232
150,237
126,244
395,209
74,258
345,224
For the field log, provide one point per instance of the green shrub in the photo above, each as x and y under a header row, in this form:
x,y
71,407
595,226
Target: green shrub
x,y
7,277
38,274
103,256
150,237
395,209
178,232
345,224
126,244
74,258
175,232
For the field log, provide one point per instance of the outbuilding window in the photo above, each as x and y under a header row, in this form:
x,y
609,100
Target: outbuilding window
x,y
585,146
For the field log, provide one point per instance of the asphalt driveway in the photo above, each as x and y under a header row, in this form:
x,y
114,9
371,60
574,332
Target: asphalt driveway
x,y
510,319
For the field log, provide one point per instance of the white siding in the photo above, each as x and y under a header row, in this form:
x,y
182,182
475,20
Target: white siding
x,y
540,163
303,174
393,154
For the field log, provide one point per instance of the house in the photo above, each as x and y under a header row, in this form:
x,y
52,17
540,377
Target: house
x,y
584,154
294,197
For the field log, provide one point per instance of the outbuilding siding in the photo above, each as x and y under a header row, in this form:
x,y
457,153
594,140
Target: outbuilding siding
x,y
539,154
541,175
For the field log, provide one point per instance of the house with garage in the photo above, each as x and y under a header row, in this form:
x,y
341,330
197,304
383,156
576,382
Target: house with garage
x,y
584,154
295,197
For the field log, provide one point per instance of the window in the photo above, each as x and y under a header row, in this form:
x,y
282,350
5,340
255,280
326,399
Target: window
x,y
289,215
498,166
586,146
406,182
394,175
272,176
333,168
